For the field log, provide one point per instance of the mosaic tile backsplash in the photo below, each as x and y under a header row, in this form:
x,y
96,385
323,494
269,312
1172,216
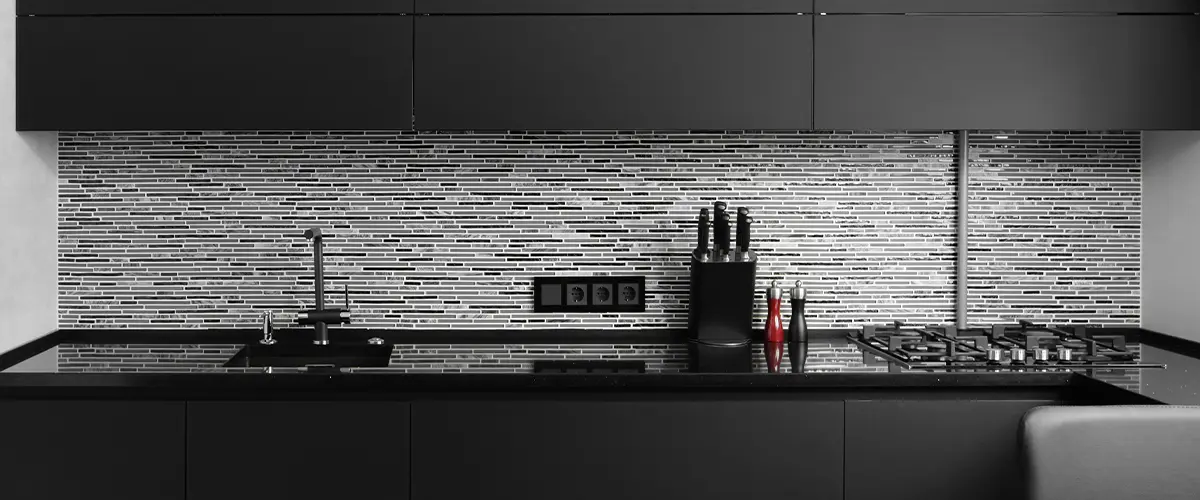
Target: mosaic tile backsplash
x,y
1056,227
447,230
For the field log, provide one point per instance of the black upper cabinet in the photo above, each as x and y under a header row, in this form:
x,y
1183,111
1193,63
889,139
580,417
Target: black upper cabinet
x,y
214,72
934,450
537,72
1006,6
1031,72
68,450
175,7
297,450
587,450
613,6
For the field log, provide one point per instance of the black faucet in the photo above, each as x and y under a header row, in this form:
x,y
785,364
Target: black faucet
x,y
320,317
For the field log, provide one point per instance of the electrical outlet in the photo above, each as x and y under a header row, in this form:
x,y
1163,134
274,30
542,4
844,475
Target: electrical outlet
x,y
629,294
584,294
577,294
602,294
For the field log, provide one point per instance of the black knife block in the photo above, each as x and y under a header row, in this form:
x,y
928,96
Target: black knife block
x,y
721,316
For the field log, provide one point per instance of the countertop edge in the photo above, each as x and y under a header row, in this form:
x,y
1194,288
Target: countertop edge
x,y
32,384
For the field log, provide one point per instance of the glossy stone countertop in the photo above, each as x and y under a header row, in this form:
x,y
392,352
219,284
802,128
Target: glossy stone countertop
x,y
831,360
1178,384
825,356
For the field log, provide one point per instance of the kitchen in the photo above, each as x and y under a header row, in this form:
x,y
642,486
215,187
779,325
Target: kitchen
x,y
984,206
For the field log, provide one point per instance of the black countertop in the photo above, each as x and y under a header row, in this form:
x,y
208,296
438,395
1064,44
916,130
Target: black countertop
x,y
170,362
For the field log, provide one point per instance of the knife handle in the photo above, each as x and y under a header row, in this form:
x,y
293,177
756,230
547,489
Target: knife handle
x,y
723,232
743,229
744,238
702,231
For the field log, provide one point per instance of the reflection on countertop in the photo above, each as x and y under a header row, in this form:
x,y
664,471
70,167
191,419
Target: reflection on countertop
x,y
831,355
1179,384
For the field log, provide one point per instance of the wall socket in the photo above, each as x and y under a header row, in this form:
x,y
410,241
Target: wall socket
x,y
589,294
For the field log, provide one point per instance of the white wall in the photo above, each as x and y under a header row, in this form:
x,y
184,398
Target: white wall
x,y
28,199
1171,233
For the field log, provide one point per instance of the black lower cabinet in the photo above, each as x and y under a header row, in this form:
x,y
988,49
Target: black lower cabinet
x,y
934,450
318,450
70,450
627,449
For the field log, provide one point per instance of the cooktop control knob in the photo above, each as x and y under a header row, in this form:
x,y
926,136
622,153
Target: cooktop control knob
x,y
1065,354
1041,355
1018,355
995,356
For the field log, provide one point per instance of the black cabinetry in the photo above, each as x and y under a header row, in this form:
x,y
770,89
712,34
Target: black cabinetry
x,y
214,72
1009,71
1006,6
607,64
934,450
185,7
312,450
632,450
68,450
613,72
614,7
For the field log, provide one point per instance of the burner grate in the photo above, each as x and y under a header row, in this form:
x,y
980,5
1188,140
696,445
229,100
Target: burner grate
x,y
1022,346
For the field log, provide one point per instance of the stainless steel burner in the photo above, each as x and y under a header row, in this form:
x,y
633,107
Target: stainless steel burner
x,y
1021,346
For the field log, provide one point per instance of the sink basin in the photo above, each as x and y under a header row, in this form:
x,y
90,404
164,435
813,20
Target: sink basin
x,y
301,354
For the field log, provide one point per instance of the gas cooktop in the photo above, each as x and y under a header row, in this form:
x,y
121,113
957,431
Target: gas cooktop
x,y
1021,346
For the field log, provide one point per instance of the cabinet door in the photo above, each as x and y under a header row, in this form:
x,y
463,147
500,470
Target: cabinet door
x,y
1005,6
614,72
1007,72
629,450
192,7
934,450
68,450
614,7
214,72
297,450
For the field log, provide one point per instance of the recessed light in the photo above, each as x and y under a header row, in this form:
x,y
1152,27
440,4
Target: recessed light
x,y
1001,137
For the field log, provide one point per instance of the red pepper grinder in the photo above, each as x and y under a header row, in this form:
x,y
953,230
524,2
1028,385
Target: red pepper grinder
x,y
774,341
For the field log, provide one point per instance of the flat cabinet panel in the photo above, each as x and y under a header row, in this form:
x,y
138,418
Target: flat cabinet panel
x,y
628,450
613,6
934,450
214,72
311,450
1032,72
69,450
1006,6
613,72
109,7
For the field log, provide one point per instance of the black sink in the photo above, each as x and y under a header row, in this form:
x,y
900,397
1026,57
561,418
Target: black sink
x,y
300,354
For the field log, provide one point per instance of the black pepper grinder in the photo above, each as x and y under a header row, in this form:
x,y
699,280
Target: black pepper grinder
x,y
797,334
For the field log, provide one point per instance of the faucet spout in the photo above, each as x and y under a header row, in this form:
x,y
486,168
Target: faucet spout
x,y
322,329
320,317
